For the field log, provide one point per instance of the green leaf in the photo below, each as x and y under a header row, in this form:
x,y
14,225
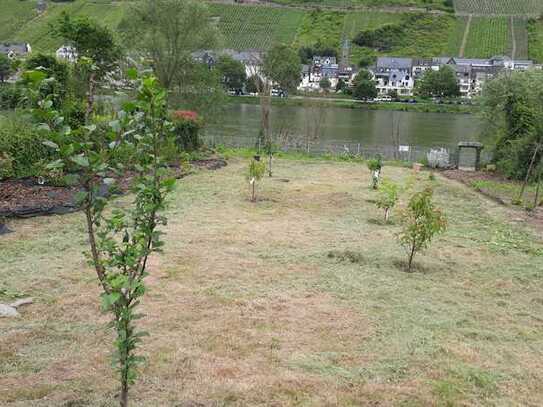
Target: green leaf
x,y
54,165
115,125
50,144
80,197
80,160
132,74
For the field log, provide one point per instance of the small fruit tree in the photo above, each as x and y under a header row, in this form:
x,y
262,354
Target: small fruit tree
x,y
254,174
375,165
388,197
121,239
421,222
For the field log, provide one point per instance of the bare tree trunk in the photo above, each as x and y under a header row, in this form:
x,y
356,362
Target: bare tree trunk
x,y
253,193
124,395
270,162
386,214
411,256
90,97
523,188
538,187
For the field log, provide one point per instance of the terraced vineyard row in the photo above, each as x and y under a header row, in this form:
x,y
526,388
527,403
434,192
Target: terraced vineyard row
x,y
521,37
256,27
488,37
499,7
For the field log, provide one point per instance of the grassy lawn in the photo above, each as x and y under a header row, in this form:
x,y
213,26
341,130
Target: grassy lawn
x,y
259,304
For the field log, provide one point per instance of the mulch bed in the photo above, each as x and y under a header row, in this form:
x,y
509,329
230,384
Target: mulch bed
x,y
23,198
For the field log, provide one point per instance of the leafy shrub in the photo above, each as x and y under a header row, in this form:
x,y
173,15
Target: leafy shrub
x,y
187,127
6,166
11,96
24,147
383,38
255,173
388,197
375,165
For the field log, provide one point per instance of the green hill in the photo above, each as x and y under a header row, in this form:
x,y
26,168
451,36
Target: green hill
x,y
244,26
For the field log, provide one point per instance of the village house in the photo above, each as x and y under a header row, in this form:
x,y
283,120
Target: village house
x,y
394,75
400,74
473,73
250,58
15,50
325,67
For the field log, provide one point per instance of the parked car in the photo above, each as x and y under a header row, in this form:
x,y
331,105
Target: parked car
x,y
384,98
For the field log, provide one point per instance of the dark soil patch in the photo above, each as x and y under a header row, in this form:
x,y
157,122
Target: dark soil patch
x,y
23,198
210,164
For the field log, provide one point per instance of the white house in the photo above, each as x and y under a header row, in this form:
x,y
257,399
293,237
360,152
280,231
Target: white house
x,y
15,50
394,75
67,53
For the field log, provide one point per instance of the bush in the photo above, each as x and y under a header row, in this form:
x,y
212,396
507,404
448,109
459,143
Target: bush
x,y
20,144
375,165
255,173
187,127
388,197
11,96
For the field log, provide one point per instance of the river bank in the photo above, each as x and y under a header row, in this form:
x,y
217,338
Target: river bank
x,y
420,107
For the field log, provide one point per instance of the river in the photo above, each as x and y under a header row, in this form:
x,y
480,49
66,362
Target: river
x,y
367,128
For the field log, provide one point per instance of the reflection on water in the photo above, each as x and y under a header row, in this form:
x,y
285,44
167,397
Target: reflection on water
x,y
367,127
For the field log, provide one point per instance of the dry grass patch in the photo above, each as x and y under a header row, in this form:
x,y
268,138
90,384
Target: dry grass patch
x,y
245,307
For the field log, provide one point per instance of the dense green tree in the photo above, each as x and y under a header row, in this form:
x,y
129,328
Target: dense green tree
x,y
441,83
513,107
307,53
91,40
5,67
233,75
341,85
254,83
50,65
282,66
325,84
167,32
364,86
366,61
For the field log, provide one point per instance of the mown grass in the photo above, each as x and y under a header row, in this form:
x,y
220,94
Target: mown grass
x,y
246,307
